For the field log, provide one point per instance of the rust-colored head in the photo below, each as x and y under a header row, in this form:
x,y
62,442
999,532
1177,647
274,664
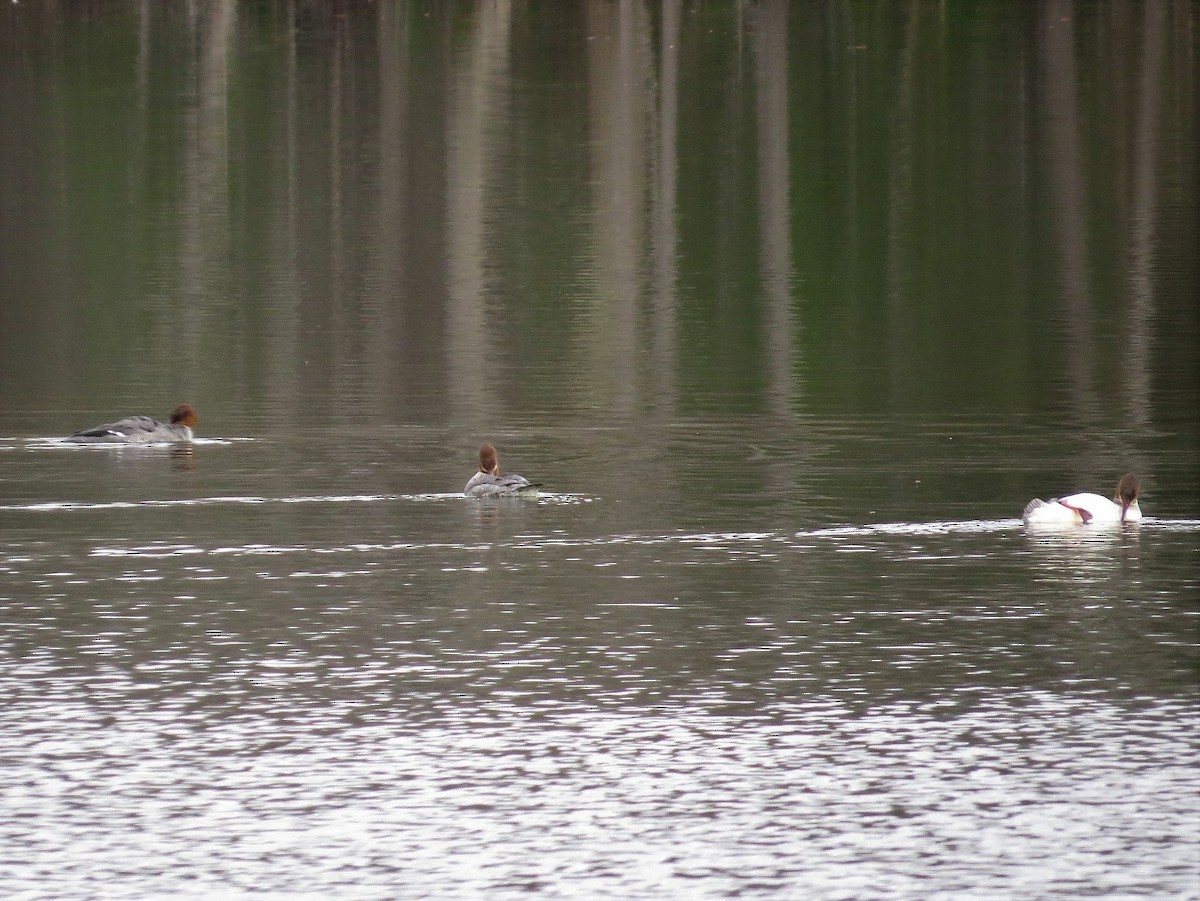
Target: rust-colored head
x,y
186,415
1127,492
489,460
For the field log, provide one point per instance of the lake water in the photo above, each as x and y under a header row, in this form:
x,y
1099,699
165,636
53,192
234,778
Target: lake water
x,y
790,308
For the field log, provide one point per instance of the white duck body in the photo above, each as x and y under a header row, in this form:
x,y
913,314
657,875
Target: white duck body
x,y
1079,509
1086,508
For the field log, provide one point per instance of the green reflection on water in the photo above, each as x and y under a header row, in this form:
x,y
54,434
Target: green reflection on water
x,y
495,213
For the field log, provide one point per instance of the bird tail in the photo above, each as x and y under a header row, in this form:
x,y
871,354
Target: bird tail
x,y
1030,508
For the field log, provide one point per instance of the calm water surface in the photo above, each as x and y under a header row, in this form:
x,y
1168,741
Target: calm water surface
x,y
791,308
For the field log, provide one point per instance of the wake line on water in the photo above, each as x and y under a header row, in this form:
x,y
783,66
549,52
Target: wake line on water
x,y
950,527
700,540
980,526
257,500
972,526
52,506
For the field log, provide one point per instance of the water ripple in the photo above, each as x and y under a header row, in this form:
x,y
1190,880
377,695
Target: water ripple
x,y
813,797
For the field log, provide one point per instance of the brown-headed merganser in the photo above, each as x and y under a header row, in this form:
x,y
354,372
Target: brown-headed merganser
x,y
1088,508
489,483
142,429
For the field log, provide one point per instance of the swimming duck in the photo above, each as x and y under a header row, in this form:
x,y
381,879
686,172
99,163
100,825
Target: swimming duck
x,y
1087,508
489,483
142,429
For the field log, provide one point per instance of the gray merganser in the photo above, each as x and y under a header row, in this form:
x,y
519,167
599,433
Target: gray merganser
x,y
142,429
489,483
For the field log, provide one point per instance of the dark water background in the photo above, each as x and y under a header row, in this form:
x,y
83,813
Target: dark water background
x,y
791,308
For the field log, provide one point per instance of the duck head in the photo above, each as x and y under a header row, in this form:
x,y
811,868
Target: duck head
x,y
1127,493
185,415
489,460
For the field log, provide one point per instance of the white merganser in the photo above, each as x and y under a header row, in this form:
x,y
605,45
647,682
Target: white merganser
x,y
489,483
142,429
1087,508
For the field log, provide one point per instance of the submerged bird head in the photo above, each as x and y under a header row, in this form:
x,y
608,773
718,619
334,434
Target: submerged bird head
x,y
1127,492
185,415
489,461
